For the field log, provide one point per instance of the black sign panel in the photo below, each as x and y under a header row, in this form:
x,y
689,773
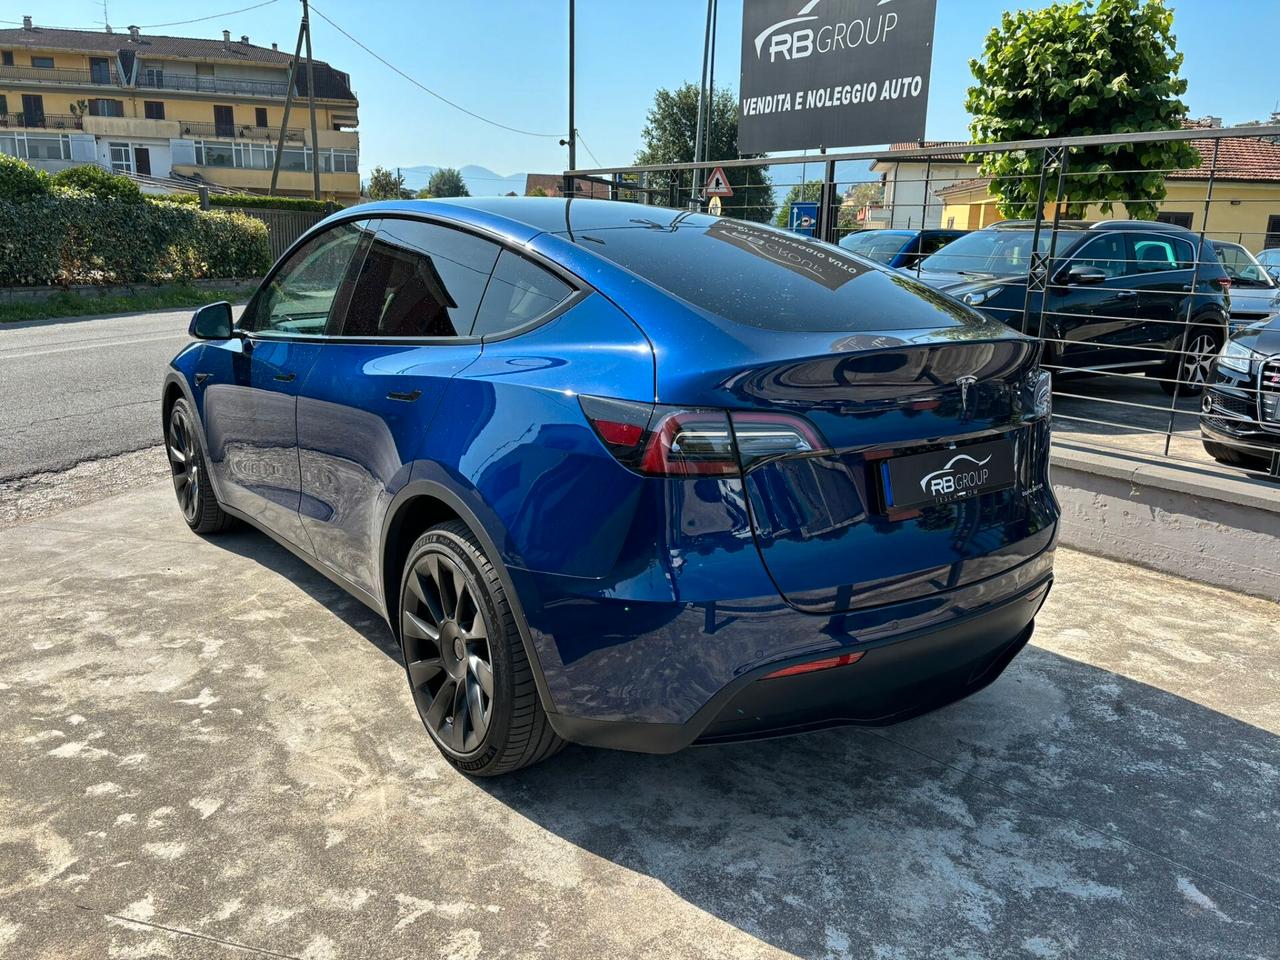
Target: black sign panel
x,y
824,263
944,476
833,73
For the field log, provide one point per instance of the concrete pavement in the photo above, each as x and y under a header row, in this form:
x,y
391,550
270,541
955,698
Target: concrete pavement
x,y
210,752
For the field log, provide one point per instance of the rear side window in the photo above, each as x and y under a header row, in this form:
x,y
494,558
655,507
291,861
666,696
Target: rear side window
x,y
519,292
419,280
301,295
1154,253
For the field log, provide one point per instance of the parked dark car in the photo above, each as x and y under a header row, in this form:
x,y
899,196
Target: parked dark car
x,y
898,248
1240,412
1119,294
1255,295
627,476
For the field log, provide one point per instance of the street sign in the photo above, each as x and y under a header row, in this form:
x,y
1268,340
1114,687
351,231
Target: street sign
x,y
718,184
803,218
714,207
833,73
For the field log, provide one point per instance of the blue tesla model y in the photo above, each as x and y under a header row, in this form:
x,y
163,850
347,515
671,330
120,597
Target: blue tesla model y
x,y
627,476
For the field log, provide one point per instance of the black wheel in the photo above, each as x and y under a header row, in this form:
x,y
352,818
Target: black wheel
x,y
1232,457
190,476
471,681
1192,369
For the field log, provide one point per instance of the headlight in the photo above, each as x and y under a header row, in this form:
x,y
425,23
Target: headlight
x,y
1236,356
977,298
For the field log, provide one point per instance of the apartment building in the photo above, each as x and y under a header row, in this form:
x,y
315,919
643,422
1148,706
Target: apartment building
x,y
175,107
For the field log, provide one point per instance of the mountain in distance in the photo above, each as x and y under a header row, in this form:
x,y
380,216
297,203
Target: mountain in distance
x,y
481,181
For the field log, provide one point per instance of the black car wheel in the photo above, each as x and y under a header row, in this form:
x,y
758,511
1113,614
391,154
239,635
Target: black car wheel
x,y
1192,369
470,678
200,507
1232,457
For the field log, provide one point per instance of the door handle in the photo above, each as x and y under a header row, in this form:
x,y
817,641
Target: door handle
x,y
408,396
285,377
1125,294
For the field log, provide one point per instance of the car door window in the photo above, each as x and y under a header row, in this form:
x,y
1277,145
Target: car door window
x,y
1106,253
301,294
519,292
419,279
1152,254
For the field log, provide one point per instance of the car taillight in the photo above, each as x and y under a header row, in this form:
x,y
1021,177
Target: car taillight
x,y
1224,282
680,442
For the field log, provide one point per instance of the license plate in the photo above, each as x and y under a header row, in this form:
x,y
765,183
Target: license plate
x,y
945,476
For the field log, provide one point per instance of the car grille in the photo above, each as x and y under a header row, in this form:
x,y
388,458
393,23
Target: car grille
x,y
1236,413
1269,389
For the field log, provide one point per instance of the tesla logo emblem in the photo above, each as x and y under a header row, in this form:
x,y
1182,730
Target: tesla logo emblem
x,y
964,383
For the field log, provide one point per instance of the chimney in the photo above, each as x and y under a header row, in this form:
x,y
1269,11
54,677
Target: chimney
x,y
244,38
226,36
134,33
26,23
274,45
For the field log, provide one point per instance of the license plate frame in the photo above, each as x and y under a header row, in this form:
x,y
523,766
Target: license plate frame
x,y
948,475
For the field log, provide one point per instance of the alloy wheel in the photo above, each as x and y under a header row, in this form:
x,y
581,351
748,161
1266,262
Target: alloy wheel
x,y
1198,360
184,464
446,648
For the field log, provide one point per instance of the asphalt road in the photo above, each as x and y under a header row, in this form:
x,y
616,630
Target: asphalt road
x,y
83,389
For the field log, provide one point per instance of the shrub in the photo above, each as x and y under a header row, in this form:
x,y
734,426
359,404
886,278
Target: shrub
x,y
20,181
257,201
76,237
98,182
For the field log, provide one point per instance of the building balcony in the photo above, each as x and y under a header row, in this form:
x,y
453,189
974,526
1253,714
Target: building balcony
x,y
200,130
100,77
41,121
223,85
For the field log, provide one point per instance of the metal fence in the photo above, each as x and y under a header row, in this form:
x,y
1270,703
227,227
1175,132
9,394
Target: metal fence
x,y
1133,317
283,226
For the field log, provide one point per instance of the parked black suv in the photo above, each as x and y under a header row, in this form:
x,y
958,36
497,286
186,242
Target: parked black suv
x,y
1240,419
1118,294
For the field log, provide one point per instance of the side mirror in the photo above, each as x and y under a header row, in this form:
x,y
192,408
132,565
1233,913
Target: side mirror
x,y
1081,274
212,322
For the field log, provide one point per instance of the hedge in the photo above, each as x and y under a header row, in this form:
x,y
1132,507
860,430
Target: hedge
x,y
257,200
73,237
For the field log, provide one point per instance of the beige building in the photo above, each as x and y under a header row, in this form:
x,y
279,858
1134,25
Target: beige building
x,y
175,107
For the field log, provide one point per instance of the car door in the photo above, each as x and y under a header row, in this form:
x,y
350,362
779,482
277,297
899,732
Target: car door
x,y
250,382
1164,270
1085,320
364,408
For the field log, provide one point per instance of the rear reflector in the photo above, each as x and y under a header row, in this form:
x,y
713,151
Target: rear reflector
x,y
666,441
814,665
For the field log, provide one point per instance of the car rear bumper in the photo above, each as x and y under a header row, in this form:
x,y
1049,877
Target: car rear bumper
x,y
916,656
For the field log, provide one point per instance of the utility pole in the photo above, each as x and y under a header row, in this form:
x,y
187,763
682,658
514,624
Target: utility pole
x,y
711,81
288,105
311,103
570,186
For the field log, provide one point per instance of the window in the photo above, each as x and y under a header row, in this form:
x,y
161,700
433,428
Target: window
x,y
99,70
302,292
1004,252
153,109
519,291
6,58
47,148
1153,254
153,77
879,245
44,63
32,110
121,157
1177,219
259,116
1107,253
4,109
106,108
224,122
1241,267
419,280
211,153
1273,233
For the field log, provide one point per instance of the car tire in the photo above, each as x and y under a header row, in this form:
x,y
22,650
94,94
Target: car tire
x,y
191,484
1188,372
468,673
1231,457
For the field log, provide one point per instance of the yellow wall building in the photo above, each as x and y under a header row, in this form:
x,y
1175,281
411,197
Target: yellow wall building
x,y
175,107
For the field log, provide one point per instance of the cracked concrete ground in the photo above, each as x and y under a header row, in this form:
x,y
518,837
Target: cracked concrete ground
x,y
209,751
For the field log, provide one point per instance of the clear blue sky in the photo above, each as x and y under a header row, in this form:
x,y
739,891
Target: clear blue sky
x,y
506,59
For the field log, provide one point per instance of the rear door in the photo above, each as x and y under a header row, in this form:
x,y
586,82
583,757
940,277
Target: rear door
x,y
250,383
365,408
1163,271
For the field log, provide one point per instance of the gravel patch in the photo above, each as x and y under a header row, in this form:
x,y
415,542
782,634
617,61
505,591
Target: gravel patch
x,y
28,498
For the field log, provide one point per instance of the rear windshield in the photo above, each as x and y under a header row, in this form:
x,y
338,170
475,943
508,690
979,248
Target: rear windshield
x,y
773,279
876,245
999,253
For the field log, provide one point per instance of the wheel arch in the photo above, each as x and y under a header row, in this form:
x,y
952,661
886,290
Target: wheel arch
x,y
419,505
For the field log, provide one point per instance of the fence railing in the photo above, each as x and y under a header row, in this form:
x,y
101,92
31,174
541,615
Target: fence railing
x,y
104,77
1133,316
196,84
283,226
238,131
41,121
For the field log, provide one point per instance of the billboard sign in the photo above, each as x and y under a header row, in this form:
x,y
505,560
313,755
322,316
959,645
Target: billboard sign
x,y
833,73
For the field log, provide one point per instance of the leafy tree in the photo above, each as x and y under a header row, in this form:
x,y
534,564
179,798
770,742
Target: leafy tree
x,y
537,192
668,136
20,181
424,194
447,182
102,184
1078,68
808,192
385,184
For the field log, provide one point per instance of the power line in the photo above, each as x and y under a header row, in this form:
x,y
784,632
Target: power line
x,y
421,86
153,26
589,153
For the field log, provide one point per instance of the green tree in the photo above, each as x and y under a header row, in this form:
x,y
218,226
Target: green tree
x,y
1079,68
447,182
385,184
668,137
537,192
808,192
19,181
424,194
